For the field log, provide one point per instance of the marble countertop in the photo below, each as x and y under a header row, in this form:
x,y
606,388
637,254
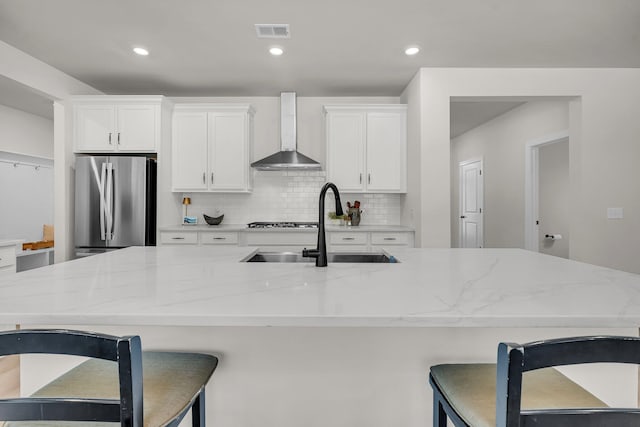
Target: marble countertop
x,y
209,286
243,227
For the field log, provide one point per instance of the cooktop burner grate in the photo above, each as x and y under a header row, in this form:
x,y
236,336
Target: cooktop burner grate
x,y
287,224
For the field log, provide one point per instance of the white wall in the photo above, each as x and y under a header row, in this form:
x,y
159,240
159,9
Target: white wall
x,y
27,193
55,85
286,196
25,133
411,202
277,196
604,149
501,144
554,198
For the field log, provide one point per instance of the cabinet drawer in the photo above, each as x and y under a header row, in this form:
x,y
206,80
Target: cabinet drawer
x,y
348,248
7,256
219,238
341,238
281,238
178,238
389,238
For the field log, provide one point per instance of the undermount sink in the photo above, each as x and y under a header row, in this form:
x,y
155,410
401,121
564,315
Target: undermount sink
x,y
350,257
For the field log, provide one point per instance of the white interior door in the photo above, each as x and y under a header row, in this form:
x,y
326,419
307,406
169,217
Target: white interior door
x,y
471,201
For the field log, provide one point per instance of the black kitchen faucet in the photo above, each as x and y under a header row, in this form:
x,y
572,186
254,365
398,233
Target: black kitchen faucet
x,y
320,252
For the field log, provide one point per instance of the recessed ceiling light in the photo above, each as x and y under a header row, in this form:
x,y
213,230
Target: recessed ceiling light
x,y
412,50
276,51
141,51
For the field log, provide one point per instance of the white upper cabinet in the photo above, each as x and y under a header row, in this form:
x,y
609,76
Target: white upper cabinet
x,y
367,147
189,151
345,149
211,147
107,124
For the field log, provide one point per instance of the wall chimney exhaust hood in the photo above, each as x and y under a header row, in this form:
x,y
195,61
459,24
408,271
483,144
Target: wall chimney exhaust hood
x,y
287,158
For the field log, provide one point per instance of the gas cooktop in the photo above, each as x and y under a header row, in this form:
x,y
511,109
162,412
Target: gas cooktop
x,y
283,225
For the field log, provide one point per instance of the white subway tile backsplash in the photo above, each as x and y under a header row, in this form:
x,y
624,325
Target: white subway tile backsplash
x,y
290,196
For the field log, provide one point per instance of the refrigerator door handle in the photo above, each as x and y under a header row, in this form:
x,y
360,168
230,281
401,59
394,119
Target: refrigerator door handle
x,y
101,183
109,201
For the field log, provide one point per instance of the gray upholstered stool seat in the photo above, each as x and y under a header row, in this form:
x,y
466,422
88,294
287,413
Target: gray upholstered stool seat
x,y
119,384
170,382
470,389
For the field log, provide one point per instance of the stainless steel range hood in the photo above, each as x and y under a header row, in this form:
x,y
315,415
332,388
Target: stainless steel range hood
x,y
287,158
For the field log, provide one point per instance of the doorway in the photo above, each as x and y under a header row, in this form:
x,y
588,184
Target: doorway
x,y
471,203
547,195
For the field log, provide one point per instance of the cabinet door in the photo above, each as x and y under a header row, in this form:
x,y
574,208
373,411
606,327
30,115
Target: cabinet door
x,y
386,152
345,150
94,128
228,160
189,151
138,128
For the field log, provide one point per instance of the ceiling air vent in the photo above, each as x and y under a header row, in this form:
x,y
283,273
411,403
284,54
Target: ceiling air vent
x,y
273,31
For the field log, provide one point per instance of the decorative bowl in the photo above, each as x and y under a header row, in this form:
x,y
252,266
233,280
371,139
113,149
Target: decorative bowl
x,y
213,220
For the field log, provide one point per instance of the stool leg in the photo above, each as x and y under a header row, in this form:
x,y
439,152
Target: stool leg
x,y
197,411
439,416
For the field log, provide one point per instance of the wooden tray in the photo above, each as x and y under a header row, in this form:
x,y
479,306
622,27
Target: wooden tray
x,y
37,245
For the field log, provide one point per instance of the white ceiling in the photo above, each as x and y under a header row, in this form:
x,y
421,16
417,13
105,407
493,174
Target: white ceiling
x,y
337,47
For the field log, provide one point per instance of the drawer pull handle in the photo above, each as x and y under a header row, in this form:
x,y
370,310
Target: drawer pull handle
x,y
219,238
178,238
348,238
389,238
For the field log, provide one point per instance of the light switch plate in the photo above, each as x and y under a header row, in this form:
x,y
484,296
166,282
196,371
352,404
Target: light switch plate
x,y
615,213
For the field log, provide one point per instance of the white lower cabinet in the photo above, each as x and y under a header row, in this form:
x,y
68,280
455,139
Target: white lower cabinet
x,y
219,238
369,241
400,239
348,241
285,241
7,260
179,238
199,237
281,241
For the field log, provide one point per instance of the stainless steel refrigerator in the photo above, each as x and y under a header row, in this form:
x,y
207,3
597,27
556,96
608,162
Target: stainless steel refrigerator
x,y
115,203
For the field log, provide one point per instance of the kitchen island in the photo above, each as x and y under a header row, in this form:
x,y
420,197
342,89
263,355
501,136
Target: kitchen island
x,y
345,345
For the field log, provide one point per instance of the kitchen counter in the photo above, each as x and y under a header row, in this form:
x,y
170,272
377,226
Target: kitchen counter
x,y
209,286
346,345
328,227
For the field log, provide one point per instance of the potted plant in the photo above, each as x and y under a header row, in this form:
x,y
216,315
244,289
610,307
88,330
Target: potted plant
x,y
337,219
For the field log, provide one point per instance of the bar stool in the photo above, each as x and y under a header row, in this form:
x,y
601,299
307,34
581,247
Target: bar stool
x,y
490,395
119,383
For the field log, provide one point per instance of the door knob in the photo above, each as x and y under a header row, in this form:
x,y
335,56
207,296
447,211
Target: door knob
x,y
462,216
